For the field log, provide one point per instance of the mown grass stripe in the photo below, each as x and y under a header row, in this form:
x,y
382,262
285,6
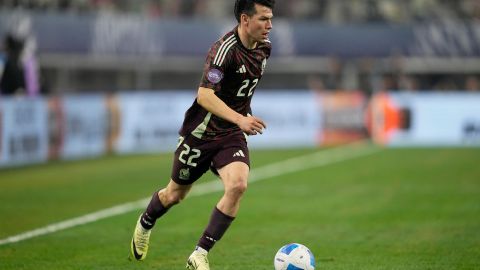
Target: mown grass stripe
x,y
317,159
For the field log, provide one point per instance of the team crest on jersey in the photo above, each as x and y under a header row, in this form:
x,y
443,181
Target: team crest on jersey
x,y
214,75
264,64
184,174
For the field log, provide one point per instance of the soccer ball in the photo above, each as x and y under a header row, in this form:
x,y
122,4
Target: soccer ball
x,y
294,257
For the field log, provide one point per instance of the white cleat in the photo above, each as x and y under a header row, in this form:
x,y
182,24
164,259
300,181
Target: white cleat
x,y
139,244
198,261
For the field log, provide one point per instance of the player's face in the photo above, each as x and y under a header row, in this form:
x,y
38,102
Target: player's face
x,y
260,24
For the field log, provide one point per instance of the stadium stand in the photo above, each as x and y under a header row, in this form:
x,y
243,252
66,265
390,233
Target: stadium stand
x,y
124,44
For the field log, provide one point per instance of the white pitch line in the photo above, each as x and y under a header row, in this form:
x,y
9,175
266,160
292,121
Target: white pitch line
x,y
317,159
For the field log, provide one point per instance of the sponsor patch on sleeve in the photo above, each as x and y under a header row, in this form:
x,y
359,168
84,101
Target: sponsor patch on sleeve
x,y
214,75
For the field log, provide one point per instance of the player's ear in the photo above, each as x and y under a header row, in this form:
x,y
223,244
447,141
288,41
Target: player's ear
x,y
244,19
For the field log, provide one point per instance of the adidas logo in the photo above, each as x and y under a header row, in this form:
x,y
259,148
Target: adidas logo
x,y
242,69
210,239
146,222
239,153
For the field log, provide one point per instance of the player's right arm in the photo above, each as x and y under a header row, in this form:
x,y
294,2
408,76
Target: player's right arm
x,y
209,101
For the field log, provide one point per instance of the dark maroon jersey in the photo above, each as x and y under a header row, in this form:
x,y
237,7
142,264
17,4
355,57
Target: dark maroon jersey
x,y
233,72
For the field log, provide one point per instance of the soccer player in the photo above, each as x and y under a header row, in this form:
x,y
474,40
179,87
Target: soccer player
x,y
215,128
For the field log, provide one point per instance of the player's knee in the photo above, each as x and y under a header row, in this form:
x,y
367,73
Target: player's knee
x,y
241,187
237,187
173,198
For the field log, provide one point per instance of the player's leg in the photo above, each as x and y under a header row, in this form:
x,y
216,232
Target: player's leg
x,y
233,162
159,204
161,201
191,160
233,166
234,177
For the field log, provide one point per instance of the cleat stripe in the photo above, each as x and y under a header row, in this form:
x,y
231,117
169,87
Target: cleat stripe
x,y
134,251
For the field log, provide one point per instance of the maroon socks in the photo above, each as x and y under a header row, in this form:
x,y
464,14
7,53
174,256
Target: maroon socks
x,y
218,225
155,210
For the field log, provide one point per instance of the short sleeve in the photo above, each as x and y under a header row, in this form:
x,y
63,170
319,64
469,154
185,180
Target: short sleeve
x,y
216,65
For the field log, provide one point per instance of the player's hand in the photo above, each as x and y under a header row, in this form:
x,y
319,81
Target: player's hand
x,y
251,125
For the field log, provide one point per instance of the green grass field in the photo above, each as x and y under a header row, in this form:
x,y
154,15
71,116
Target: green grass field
x,y
393,209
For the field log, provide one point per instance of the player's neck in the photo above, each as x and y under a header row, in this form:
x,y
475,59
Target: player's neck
x,y
246,40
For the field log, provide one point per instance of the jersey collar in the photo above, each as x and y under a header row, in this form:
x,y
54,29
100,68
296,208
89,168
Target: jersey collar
x,y
239,41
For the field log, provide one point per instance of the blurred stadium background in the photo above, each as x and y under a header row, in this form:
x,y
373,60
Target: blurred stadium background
x,y
136,65
103,77
106,46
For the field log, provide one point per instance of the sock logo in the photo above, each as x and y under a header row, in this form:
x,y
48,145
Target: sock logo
x,y
210,239
147,222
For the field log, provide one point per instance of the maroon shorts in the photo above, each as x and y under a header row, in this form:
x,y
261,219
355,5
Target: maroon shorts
x,y
194,156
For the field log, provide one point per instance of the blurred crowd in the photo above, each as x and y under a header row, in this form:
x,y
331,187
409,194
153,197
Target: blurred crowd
x,y
370,76
20,73
330,11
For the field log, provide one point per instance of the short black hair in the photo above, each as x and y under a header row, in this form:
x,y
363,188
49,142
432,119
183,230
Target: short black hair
x,y
248,7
